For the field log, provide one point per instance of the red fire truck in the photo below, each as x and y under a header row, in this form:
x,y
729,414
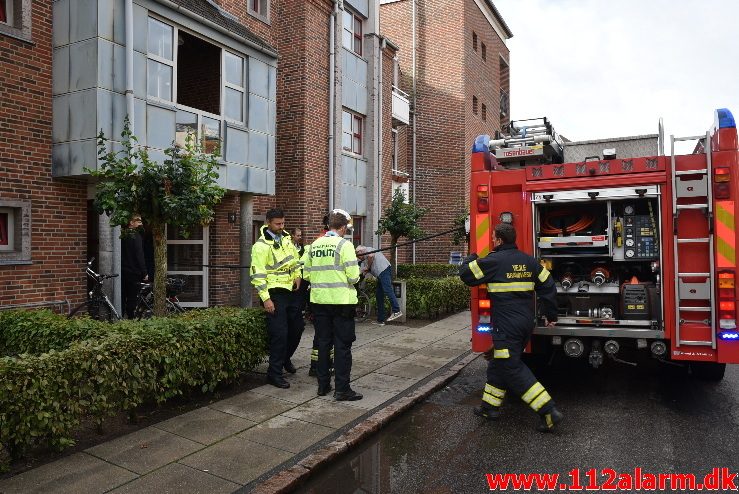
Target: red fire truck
x,y
642,244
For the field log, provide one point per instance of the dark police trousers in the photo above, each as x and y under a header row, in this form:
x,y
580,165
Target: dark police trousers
x,y
335,325
284,328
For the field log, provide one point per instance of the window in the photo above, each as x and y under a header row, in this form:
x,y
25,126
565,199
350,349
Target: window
x,y
203,127
15,18
160,64
484,51
7,229
474,105
186,258
352,36
474,40
484,112
358,222
394,149
259,9
234,92
351,139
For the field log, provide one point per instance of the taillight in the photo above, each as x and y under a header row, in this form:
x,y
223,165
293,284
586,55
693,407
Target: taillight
x,y
483,205
722,183
483,310
726,302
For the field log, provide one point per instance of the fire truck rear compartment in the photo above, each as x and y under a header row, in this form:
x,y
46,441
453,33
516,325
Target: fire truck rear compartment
x,y
602,248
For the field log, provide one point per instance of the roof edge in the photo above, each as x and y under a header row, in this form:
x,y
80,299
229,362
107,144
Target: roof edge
x,y
499,18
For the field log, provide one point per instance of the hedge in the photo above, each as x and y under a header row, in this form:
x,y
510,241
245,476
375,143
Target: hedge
x,y
429,270
44,396
430,297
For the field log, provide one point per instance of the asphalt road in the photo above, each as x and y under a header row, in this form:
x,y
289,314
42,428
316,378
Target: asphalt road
x,y
655,417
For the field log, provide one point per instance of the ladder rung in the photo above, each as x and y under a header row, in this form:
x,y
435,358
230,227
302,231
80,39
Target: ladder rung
x,y
692,206
691,275
695,309
692,240
689,138
703,171
696,343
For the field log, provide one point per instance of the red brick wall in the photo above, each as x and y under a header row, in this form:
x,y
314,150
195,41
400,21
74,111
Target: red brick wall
x,y
58,207
449,74
224,250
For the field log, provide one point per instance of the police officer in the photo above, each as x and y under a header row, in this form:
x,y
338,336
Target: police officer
x,y
512,278
331,266
275,273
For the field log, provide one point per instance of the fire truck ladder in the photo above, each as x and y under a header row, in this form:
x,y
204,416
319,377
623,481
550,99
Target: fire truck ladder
x,y
695,189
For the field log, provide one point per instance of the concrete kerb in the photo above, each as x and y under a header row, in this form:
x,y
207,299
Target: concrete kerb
x,y
287,480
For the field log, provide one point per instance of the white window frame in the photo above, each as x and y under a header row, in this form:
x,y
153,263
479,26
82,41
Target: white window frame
x,y
351,131
11,230
262,16
352,33
203,272
242,89
171,63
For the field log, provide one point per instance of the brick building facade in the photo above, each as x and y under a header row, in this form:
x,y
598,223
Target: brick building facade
x,y
278,145
460,77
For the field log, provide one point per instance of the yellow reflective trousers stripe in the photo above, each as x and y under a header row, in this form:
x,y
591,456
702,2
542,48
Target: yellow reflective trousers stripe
x,y
492,400
489,388
540,401
532,392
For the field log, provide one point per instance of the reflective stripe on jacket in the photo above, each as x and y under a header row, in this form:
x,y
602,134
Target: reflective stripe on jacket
x,y
512,277
273,265
330,264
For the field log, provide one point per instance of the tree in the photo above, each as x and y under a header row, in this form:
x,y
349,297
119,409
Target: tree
x,y
180,192
461,223
400,220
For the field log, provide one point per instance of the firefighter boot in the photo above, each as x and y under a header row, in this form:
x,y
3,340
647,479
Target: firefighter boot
x,y
549,420
487,412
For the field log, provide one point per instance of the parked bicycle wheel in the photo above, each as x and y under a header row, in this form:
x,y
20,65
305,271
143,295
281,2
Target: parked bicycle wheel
x,y
364,308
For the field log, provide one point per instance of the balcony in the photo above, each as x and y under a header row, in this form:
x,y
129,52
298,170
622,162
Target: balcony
x,y
401,106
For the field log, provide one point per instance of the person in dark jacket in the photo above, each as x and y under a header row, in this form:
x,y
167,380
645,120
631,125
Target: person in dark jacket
x,y
512,278
133,265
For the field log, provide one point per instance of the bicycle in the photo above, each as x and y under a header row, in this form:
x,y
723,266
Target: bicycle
x,y
145,299
364,307
97,305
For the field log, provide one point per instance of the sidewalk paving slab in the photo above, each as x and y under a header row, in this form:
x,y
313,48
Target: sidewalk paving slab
x,y
298,392
328,413
290,434
253,406
237,459
384,382
205,425
176,478
144,450
79,472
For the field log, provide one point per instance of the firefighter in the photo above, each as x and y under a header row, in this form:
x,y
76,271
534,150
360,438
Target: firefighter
x,y
275,273
512,278
331,266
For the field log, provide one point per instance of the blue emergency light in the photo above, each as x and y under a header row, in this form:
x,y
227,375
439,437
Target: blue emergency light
x,y
726,335
725,119
483,328
482,144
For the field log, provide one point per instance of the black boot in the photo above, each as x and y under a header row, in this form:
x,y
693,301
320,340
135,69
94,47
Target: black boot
x,y
549,420
487,412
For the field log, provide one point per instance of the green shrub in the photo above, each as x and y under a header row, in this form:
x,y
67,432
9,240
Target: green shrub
x,y
43,397
407,271
430,297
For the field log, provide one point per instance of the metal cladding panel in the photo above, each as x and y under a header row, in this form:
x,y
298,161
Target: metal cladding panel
x,y
60,70
60,33
361,6
60,160
597,168
82,20
260,117
258,151
82,154
257,180
105,20
361,193
260,81
119,68
141,30
362,173
160,127
106,64
348,169
139,75
83,65
237,178
82,115
237,145
60,118
139,113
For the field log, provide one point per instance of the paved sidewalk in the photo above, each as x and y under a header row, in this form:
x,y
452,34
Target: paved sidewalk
x,y
228,444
